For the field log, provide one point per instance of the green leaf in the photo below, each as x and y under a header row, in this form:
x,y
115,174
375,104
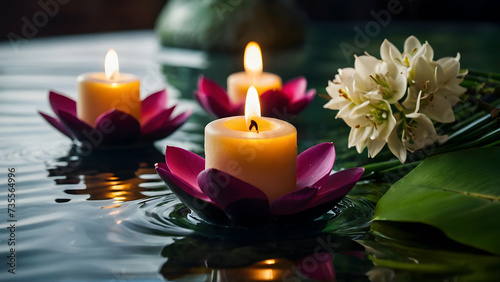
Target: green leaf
x,y
458,193
423,253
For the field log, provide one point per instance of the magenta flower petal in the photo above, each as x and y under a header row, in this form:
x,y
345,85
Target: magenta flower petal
x,y
209,87
298,106
274,103
153,105
194,191
242,202
295,88
156,121
206,104
245,204
282,104
167,128
192,198
56,123
202,100
79,130
293,201
180,119
185,165
219,107
337,185
314,165
60,102
225,189
117,127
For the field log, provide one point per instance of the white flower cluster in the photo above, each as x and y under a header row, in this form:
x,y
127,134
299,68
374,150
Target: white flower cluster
x,y
396,99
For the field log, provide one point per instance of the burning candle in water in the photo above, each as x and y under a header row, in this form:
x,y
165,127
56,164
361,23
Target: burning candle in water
x,y
258,150
104,91
238,83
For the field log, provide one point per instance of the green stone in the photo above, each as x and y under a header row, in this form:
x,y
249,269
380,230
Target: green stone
x,y
228,25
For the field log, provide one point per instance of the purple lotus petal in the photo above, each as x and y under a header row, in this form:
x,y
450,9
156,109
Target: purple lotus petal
x,y
335,188
283,104
213,98
337,185
274,103
79,130
212,88
194,191
295,88
201,205
203,100
56,123
180,119
314,165
219,108
293,201
224,188
167,128
298,106
243,203
153,105
60,102
220,197
117,127
185,165
157,121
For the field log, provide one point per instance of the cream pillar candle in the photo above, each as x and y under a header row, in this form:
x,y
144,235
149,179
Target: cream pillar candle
x,y
258,150
100,92
238,83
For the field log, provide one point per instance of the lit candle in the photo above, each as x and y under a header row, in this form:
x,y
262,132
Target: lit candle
x,y
100,92
258,150
238,83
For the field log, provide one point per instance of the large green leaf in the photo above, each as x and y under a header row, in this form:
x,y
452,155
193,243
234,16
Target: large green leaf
x,y
422,253
458,193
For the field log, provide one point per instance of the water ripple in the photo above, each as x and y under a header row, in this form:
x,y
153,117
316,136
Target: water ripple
x,y
166,216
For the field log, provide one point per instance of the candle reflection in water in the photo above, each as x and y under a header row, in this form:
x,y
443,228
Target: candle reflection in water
x,y
123,179
266,270
309,258
315,267
108,186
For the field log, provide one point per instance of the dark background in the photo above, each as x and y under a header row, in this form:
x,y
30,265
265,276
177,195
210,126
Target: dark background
x,y
77,16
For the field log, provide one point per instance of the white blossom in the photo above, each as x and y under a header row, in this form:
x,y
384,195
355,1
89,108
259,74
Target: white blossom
x,y
439,83
371,125
414,132
396,99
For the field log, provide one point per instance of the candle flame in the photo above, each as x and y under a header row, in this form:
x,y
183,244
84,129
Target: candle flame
x,y
253,59
111,65
270,261
252,108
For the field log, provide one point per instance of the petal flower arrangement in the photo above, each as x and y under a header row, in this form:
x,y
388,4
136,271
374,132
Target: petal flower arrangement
x,y
282,104
397,99
221,198
115,127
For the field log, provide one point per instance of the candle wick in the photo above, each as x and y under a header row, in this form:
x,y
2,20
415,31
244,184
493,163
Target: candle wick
x,y
113,75
253,124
